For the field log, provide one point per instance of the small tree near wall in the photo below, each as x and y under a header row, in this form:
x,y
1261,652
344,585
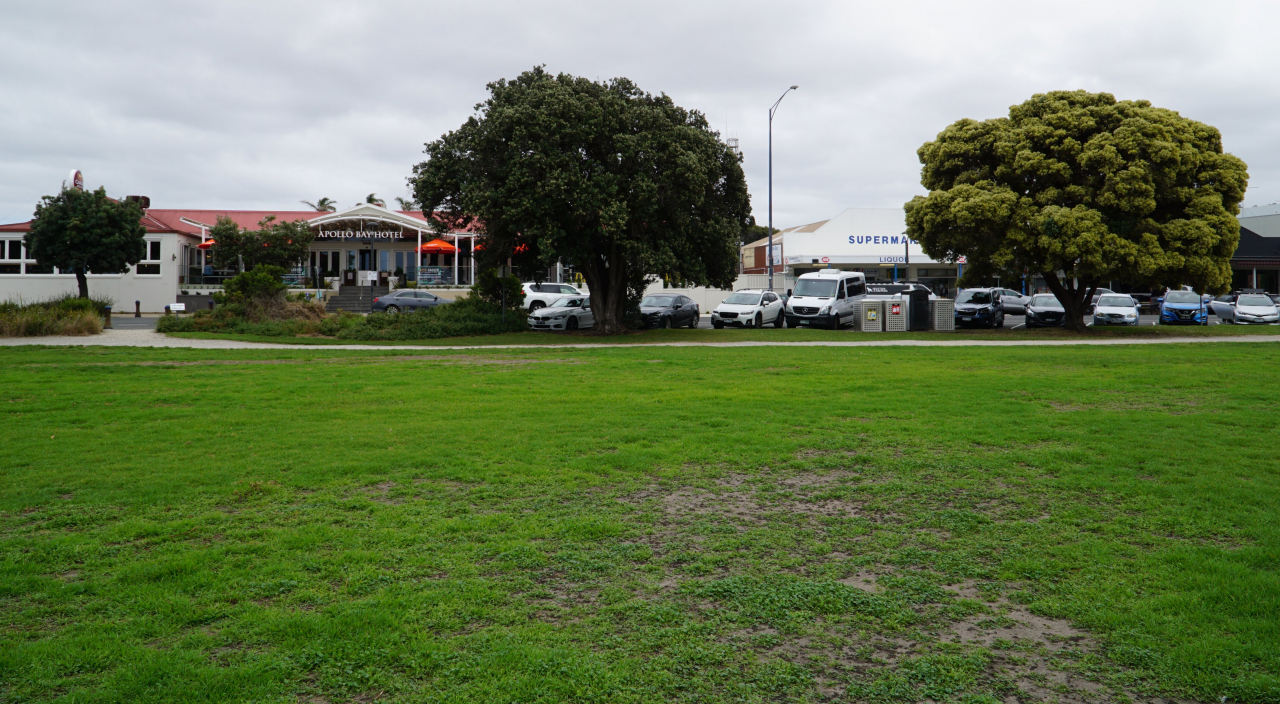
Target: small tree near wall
x,y
85,231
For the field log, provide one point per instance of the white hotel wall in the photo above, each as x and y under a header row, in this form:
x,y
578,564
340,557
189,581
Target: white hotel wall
x,y
154,292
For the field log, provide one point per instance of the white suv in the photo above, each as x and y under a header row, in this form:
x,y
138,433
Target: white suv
x,y
542,295
749,308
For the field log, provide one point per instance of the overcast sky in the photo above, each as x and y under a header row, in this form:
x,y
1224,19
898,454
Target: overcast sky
x,y
257,105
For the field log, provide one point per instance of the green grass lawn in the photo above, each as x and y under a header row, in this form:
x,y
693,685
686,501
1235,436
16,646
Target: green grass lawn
x,y
640,525
771,335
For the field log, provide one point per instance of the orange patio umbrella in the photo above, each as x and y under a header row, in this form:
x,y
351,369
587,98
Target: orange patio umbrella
x,y
438,245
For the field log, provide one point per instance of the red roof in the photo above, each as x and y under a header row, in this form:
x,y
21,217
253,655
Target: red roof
x,y
157,220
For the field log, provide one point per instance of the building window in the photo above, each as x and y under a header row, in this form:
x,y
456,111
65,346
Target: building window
x,y
151,265
11,250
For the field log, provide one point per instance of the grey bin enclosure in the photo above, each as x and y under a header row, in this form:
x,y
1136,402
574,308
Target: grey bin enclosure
x,y
942,311
872,316
919,310
895,314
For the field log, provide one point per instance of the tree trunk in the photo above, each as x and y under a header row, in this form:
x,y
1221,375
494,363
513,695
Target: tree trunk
x,y
82,281
607,279
1074,297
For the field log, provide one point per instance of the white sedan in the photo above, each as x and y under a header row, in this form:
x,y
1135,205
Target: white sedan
x,y
750,308
1251,309
1115,309
567,313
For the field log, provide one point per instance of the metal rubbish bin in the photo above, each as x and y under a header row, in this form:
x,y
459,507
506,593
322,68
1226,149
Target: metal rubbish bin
x,y
895,315
872,316
942,314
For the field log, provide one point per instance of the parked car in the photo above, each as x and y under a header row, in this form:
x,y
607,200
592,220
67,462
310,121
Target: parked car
x,y
1251,309
1182,308
1099,294
1043,310
749,308
407,299
827,298
1015,303
1115,309
669,310
981,307
566,313
542,295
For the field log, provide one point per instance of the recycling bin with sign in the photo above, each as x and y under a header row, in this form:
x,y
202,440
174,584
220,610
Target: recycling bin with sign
x,y
895,315
872,316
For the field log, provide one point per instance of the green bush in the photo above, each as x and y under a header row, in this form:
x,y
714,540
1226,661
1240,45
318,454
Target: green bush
x,y
260,282
489,288
17,320
230,319
468,316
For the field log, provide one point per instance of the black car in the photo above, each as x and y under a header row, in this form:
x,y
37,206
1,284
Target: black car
x,y
979,307
407,299
669,310
1045,311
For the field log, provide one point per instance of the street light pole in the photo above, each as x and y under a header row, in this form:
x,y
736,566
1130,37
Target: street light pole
x,y
773,110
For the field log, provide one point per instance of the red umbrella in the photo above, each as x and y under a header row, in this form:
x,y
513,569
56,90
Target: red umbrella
x,y
438,245
206,244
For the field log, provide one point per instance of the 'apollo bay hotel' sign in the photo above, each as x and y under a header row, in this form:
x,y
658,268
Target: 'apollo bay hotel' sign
x,y
360,234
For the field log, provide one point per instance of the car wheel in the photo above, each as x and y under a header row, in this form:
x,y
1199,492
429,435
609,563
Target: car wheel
x,y
779,321
717,325
695,319
835,321
665,322
393,309
571,323
536,305
1000,322
759,321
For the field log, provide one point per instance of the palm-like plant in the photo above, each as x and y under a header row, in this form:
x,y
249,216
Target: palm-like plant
x,y
324,205
373,199
407,203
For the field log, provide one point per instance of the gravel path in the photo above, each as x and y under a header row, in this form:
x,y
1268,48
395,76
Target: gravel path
x,y
150,338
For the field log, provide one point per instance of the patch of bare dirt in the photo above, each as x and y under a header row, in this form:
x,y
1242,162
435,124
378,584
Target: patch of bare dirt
x,y
381,493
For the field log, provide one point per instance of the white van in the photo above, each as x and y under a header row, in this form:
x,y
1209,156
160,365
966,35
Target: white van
x,y
826,298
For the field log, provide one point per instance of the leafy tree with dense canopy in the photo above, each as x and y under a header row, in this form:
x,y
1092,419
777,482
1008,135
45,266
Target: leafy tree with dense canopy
x,y
621,185
1081,189
281,244
85,231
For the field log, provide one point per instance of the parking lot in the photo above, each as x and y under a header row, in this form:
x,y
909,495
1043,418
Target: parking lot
x,y
1011,322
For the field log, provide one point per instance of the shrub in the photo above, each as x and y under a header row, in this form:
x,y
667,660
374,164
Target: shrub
x,y
32,320
468,316
489,288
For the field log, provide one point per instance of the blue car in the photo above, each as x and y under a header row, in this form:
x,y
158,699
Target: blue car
x,y
1183,308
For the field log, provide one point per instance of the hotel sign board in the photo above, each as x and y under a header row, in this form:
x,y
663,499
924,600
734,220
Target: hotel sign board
x,y
361,230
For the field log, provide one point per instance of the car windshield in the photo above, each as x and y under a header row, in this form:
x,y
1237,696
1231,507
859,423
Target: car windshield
x,y
1045,302
1182,297
743,299
1115,302
817,288
567,302
1255,300
974,297
656,301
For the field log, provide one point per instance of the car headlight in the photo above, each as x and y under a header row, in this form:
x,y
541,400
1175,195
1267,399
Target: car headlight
x,y
558,317
825,310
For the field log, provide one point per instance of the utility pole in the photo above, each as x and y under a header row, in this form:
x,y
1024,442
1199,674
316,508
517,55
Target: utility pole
x,y
773,110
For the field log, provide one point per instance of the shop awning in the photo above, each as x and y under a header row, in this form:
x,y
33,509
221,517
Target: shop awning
x,y
438,245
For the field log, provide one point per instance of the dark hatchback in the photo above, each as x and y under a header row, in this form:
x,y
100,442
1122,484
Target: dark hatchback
x,y
1045,311
407,299
669,310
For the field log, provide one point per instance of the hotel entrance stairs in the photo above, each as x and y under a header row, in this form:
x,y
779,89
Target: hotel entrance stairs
x,y
356,299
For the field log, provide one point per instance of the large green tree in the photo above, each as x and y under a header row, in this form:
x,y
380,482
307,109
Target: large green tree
x,y
622,185
85,231
281,244
1081,189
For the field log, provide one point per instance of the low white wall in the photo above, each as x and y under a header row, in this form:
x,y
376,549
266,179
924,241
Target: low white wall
x,y
153,292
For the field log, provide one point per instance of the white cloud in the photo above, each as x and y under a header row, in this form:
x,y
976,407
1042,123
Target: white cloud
x,y
258,105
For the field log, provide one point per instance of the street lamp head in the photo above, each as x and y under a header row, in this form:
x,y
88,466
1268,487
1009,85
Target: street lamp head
x,y
794,87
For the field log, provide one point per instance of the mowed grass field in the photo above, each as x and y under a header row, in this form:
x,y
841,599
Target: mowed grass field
x,y
976,525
